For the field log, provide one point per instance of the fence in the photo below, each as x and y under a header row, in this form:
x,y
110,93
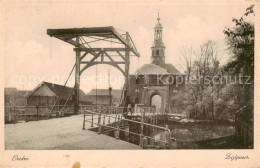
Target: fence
x,y
14,114
104,117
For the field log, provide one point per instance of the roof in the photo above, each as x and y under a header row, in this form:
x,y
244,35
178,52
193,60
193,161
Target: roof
x,y
104,99
153,69
171,69
104,92
56,89
158,25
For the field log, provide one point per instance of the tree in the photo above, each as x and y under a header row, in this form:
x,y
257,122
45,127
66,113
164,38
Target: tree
x,y
205,68
187,53
200,65
240,40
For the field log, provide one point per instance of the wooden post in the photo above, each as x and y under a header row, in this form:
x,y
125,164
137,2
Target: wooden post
x,y
110,95
127,133
99,124
109,113
145,143
116,117
25,115
166,137
84,121
37,112
77,80
104,119
141,132
156,123
9,114
15,119
153,122
92,119
117,128
152,142
127,63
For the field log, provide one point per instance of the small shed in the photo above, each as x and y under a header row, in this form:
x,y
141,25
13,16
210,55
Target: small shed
x,y
46,94
101,96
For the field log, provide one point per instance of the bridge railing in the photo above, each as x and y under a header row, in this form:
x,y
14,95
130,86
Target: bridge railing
x,y
14,114
104,120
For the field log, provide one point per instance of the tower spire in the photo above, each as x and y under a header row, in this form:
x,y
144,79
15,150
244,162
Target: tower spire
x,y
158,48
158,18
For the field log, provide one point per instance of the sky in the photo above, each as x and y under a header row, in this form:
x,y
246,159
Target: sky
x,y
31,56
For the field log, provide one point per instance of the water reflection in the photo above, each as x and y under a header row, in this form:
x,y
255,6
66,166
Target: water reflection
x,y
187,135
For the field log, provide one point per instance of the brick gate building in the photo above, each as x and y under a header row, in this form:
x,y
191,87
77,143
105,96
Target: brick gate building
x,y
157,79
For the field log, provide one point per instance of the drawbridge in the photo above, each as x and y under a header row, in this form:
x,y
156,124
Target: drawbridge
x,y
90,46
91,50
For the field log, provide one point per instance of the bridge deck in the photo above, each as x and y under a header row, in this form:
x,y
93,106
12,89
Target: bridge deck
x,y
59,133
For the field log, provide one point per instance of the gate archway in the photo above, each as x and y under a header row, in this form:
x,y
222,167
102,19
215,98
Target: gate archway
x,y
156,100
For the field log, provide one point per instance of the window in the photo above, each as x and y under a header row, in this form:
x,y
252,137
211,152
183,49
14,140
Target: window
x,y
137,81
157,52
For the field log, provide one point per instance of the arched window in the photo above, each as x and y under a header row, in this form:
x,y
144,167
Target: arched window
x,y
157,52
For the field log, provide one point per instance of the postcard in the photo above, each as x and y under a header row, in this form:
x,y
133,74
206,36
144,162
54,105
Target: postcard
x,y
163,83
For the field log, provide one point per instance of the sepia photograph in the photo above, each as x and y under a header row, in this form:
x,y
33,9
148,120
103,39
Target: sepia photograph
x,y
172,76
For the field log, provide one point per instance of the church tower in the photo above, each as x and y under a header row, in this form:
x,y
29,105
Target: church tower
x,y
158,48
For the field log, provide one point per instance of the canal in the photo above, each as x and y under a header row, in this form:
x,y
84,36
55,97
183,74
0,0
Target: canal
x,y
184,135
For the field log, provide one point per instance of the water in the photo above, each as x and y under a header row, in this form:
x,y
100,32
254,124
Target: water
x,y
187,135
197,132
193,135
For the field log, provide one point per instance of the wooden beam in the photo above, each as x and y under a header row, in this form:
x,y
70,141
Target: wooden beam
x,y
104,49
93,62
99,49
72,42
95,57
120,55
111,59
67,34
96,63
81,31
114,63
102,57
83,56
105,62
77,81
